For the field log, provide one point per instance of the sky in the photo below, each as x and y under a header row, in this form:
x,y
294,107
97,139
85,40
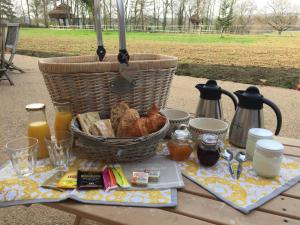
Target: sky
x,y
261,3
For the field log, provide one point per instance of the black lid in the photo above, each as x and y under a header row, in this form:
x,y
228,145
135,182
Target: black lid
x,y
210,90
250,99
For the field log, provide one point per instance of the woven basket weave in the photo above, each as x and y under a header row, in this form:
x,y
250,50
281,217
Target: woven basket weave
x,y
111,150
86,82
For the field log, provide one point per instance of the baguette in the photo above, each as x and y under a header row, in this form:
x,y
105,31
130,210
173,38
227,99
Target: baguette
x,y
86,120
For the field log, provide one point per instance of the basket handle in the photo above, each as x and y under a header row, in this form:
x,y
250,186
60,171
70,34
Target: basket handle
x,y
123,55
100,50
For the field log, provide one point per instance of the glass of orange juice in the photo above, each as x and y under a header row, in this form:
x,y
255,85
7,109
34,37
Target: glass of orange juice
x,y
63,119
38,127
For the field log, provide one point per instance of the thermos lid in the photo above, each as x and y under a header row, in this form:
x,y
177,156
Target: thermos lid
x,y
260,133
35,106
210,90
250,99
269,146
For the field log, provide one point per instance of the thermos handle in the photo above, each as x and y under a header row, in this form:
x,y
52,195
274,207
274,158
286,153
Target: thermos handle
x,y
277,112
231,96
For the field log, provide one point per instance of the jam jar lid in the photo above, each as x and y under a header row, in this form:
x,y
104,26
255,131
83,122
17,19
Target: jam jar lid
x,y
35,106
208,139
181,135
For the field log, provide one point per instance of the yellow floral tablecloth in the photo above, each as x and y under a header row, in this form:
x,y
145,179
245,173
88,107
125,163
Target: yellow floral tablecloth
x,y
15,190
247,193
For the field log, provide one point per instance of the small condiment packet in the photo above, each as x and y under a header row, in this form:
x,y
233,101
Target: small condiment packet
x,y
154,174
139,178
106,179
120,176
51,182
68,181
89,180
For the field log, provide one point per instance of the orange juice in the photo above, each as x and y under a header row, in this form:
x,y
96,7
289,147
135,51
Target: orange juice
x,y
40,130
62,124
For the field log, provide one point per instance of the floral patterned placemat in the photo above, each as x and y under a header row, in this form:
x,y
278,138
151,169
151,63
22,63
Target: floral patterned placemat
x,y
247,193
15,190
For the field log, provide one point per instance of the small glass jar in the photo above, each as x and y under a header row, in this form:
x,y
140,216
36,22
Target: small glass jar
x,y
267,158
180,146
38,127
208,149
255,134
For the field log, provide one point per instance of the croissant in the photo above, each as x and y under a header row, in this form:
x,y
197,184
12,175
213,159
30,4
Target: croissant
x,y
131,125
153,110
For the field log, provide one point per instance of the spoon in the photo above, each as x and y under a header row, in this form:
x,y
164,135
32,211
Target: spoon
x,y
240,157
228,156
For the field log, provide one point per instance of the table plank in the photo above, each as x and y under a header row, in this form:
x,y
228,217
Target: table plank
x,y
118,215
218,212
281,205
288,141
291,150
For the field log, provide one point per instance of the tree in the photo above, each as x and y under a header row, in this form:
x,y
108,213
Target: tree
x,y
244,12
181,11
281,17
45,12
165,11
36,9
28,11
226,17
6,9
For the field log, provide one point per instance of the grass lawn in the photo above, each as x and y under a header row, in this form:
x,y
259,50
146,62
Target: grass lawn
x,y
256,59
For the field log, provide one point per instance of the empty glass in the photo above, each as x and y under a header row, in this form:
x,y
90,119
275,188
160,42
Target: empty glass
x,y
60,149
23,154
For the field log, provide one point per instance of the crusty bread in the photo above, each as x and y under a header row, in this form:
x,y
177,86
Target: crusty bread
x,y
126,122
86,120
102,128
117,112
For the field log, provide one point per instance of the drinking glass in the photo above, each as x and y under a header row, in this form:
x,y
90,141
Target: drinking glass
x,y
60,149
23,155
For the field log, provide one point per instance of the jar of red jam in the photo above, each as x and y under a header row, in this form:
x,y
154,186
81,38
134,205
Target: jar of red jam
x,y
180,146
208,149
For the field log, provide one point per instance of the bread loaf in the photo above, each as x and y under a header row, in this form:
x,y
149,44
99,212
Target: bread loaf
x,y
117,112
86,120
126,122
102,128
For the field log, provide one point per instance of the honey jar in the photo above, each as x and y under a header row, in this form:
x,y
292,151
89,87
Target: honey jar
x,y
180,146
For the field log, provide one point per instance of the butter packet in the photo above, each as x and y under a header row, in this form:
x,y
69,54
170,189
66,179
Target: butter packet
x,y
139,179
154,174
68,181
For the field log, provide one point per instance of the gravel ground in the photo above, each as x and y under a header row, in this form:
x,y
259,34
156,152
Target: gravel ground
x,y
29,87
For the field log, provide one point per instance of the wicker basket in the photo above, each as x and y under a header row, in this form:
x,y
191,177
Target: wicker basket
x,y
94,83
88,83
112,150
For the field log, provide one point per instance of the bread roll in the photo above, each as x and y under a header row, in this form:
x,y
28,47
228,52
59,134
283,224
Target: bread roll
x,y
126,122
86,120
117,112
102,128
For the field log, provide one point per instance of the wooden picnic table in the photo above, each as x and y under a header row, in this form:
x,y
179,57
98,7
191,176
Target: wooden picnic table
x,y
196,206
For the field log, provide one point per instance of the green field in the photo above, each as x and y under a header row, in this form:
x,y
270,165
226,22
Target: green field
x,y
256,59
